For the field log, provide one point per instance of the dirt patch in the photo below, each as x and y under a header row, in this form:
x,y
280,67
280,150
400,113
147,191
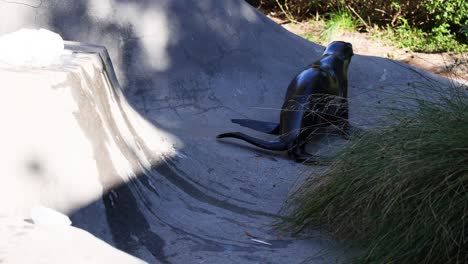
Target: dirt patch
x,y
447,64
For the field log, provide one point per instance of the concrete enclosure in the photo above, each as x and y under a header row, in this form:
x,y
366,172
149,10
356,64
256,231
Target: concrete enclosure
x,y
138,165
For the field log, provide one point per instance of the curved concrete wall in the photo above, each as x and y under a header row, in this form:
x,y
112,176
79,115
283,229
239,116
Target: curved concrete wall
x,y
187,67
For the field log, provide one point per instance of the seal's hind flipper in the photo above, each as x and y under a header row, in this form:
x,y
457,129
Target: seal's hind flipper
x,y
299,154
262,126
270,145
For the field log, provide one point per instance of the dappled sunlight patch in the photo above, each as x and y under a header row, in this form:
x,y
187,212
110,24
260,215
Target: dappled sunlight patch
x,y
150,25
249,13
20,14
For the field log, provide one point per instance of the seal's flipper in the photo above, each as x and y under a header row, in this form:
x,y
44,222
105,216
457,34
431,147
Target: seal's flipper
x,y
262,126
308,159
270,145
299,154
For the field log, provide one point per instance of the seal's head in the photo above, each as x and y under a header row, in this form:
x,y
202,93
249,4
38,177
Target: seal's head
x,y
341,49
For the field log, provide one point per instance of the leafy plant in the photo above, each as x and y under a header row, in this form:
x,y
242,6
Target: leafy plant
x,y
338,23
447,13
440,39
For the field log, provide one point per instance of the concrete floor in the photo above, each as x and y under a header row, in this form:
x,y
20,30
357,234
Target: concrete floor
x,y
171,193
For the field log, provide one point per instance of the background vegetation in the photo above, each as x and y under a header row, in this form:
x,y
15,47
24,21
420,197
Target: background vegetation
x,y
426,25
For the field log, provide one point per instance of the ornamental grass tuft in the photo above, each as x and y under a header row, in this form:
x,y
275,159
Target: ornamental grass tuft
x,y
399,192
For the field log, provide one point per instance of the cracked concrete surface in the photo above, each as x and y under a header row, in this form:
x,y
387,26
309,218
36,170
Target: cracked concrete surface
x,y
188,67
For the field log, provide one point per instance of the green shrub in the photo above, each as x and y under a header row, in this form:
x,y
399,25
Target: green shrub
x,y
440,39
401,191
338,23
443,13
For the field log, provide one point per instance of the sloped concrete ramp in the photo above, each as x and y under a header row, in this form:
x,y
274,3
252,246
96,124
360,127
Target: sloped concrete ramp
x,y
137,164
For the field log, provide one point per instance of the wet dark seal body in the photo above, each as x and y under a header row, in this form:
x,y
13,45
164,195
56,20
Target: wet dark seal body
x,y
316,98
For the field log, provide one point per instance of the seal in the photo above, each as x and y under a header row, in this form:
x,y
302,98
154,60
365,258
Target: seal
x,y
315,99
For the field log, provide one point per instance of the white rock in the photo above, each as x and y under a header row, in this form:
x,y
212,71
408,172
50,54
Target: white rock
x,y
31,48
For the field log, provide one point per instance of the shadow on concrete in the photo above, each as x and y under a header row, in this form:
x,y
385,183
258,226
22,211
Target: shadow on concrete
x,y
188,67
